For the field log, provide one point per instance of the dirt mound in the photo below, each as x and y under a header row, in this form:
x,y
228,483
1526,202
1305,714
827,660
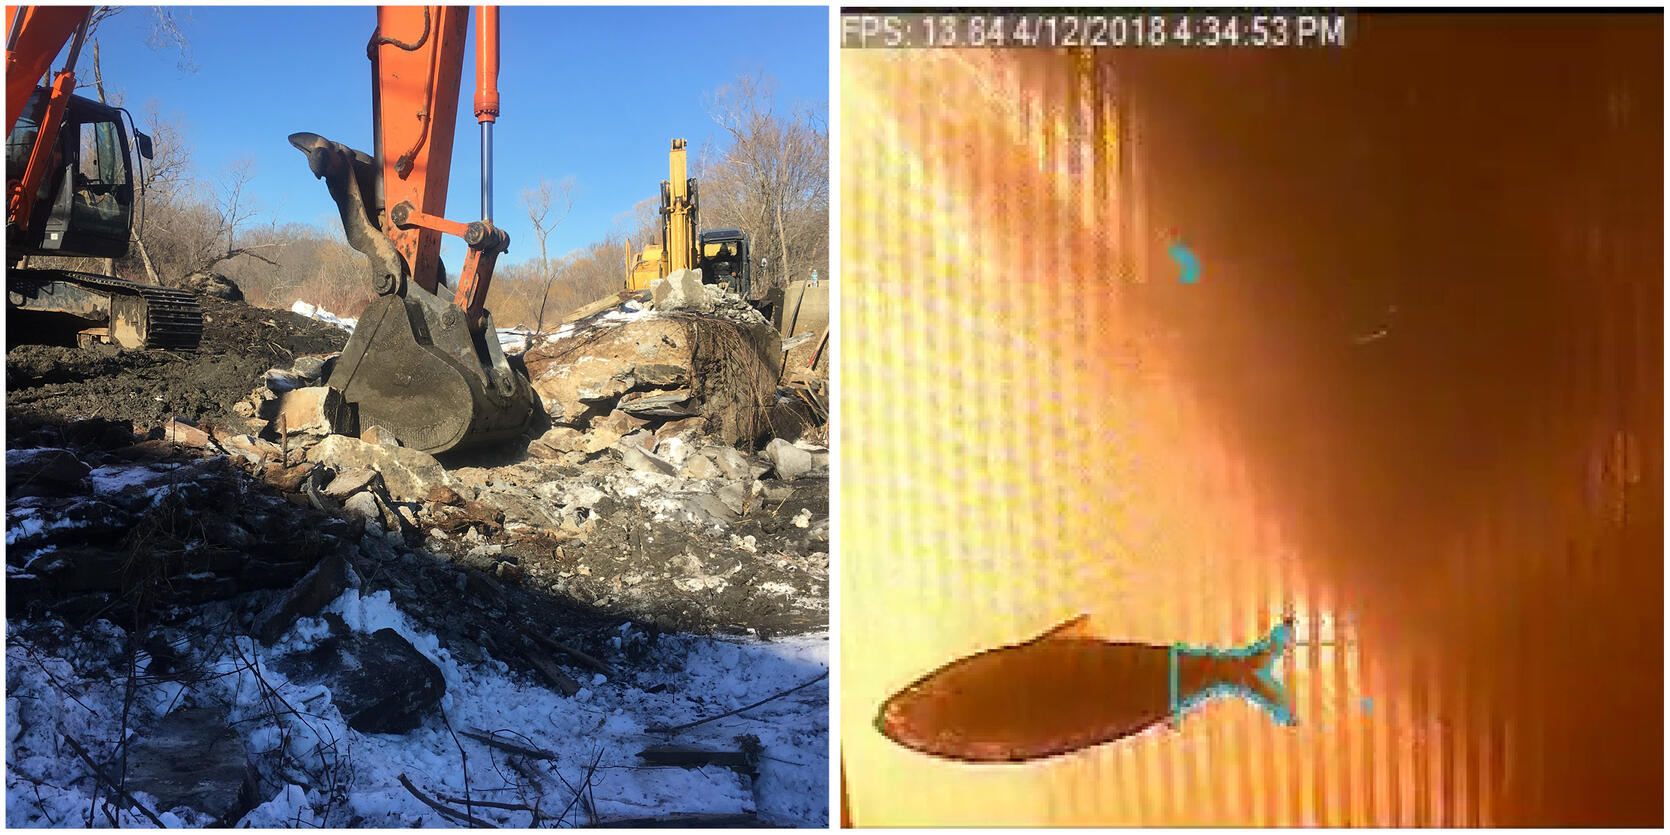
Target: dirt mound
x,y
49,384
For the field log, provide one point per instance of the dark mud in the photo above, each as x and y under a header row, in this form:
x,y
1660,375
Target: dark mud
x,y
48,384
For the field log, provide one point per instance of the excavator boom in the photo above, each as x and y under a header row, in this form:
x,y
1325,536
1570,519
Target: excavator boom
x,y
427,368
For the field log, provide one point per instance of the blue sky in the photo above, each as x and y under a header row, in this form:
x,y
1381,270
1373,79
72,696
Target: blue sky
x,y
595,93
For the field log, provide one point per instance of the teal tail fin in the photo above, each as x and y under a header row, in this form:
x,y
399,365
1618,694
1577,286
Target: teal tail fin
x,y
1257,680
1265,689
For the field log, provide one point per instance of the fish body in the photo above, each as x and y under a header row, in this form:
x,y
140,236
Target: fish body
x,y
1064,691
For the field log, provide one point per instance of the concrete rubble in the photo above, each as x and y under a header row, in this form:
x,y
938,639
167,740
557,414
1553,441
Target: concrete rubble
x,y
657,493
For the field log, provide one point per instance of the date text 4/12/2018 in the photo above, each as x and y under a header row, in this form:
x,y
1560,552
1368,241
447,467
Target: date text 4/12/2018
x,y
1008,29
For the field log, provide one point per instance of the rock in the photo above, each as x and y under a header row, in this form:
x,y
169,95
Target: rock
x,y
43,471
244,409
708,509
661,376
315,410
181,431
734,464
380,683
315,370
735,496
820,459
288,479
790,461
619,422
642,439
379,435
634,457
350,481
147,450
598,440
208,283
605,391
731,365
309,596
442,494
408,474
688,429
563,438
282,380
194,758
250,448
663,404
700,467
100,433
682,290
364,505
803,518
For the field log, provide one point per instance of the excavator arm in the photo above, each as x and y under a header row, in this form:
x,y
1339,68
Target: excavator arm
x,y
427,368
34,36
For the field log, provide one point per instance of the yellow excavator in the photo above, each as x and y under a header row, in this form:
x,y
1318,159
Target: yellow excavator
x,y
721,254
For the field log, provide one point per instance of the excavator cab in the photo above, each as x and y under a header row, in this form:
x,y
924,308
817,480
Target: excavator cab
x,y
725,260
84,206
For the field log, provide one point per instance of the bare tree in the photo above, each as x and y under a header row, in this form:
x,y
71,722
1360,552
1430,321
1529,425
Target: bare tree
x,y
539,200
236,210
166,33
772,179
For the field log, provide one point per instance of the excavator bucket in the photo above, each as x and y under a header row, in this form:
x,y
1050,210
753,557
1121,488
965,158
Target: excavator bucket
x,y
415,369
414,365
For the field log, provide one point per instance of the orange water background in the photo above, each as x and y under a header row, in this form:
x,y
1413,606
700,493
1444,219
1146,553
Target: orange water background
x,y
1460,499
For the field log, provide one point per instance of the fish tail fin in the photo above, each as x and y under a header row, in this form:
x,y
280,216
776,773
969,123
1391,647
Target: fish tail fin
x,y
1260,684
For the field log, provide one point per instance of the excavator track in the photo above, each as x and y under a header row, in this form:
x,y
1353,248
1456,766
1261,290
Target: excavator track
x,y
138,316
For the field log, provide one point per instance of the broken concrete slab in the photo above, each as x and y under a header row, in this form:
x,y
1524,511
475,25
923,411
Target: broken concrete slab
x,y
408,474
683,290
194,759
734,464
731,364
314,369
666,405
379,682
281,380
314,410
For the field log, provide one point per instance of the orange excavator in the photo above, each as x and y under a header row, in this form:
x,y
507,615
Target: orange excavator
x,y
70,194
424,366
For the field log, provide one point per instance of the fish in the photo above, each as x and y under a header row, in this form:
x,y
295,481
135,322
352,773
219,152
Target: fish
x,y
1066,691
